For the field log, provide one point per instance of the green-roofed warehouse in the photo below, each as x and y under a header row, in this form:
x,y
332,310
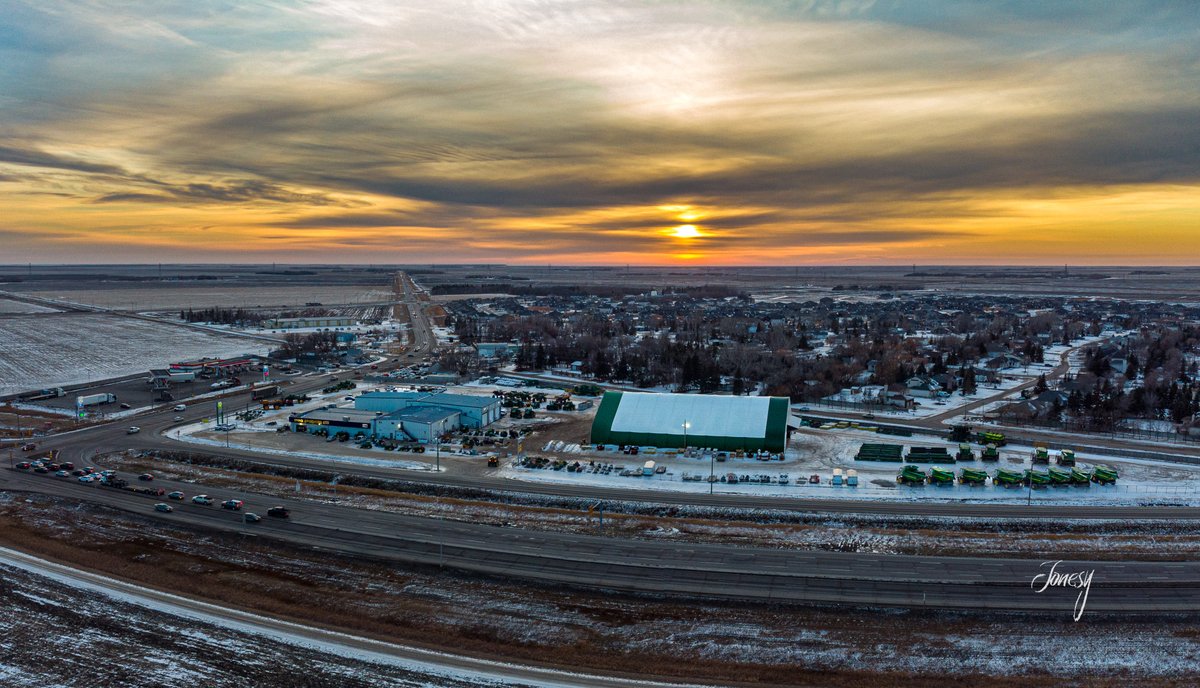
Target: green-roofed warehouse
x,y
719,422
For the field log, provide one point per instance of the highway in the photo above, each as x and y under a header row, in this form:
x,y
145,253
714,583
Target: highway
x,y
714,571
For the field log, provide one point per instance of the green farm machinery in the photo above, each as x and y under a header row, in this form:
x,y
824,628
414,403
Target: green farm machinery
x,y
990,453
929,455
1104,475
940,476
1081,477
965,453
1035,478
996,438
911,475
1008,478
972,476
1041,455
892,453
1058,476
1066,457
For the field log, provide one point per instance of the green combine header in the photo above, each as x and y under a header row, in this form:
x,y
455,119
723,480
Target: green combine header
x,y
973,476
1066,457
996,438
1081,477
1059,476
892,453
1008,478
965,453
990,453
929,455
940,476
911,475
1104,475
1035,478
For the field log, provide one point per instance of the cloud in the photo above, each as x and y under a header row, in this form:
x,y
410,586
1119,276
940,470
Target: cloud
x,y
534,127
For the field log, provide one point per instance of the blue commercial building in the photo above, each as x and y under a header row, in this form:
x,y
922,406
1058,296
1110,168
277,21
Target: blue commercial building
x,y
474,411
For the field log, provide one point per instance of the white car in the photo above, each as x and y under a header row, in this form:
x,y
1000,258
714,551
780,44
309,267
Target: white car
x,y
180,407
203,500
133,430
86,478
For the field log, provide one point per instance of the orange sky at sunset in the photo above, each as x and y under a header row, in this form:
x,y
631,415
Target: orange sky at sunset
x,y
593,132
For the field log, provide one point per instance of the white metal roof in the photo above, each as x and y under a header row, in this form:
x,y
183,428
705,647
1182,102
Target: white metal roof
x,y
705,414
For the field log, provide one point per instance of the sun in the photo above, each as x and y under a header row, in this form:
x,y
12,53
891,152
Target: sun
x,y
686,232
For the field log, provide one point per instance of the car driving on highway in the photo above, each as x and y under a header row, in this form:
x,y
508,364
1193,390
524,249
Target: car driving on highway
x,y
165,508
133,430
251,517
232,504
203,500
180,407
176,495
146,477
278,512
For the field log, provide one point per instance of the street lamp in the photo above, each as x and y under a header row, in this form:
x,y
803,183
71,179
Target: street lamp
x,y
686,425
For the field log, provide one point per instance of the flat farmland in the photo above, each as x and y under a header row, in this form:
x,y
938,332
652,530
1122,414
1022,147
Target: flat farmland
x,y
57,349
9,307
143,298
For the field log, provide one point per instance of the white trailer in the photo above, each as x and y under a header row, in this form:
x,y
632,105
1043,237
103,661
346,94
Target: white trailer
x,y
94,399
648,469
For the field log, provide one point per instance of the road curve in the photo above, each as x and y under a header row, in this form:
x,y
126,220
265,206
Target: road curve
x,y
357,647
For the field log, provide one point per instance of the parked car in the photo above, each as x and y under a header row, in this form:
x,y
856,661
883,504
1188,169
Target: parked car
x,y
251,517
125,406
25,465
278,512
133,430
86,478
232,504
178,418
180,407
146,477
165,508
176,495
203,500
29,446
62,474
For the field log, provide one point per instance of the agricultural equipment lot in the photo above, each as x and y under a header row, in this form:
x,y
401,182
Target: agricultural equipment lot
x,y
60,349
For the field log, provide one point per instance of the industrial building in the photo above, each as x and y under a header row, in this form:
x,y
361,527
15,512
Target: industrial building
x,y
475,411
692,420
335,420
317,321
419,416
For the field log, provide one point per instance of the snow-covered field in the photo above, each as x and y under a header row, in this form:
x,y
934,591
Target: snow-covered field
x,y
62,349
143,299
9,307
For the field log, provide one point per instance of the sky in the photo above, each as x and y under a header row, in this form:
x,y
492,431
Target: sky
x,y
773,132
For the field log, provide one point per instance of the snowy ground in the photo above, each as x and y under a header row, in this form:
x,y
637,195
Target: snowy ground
x,y
8,307
62,349
180,642
229,295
